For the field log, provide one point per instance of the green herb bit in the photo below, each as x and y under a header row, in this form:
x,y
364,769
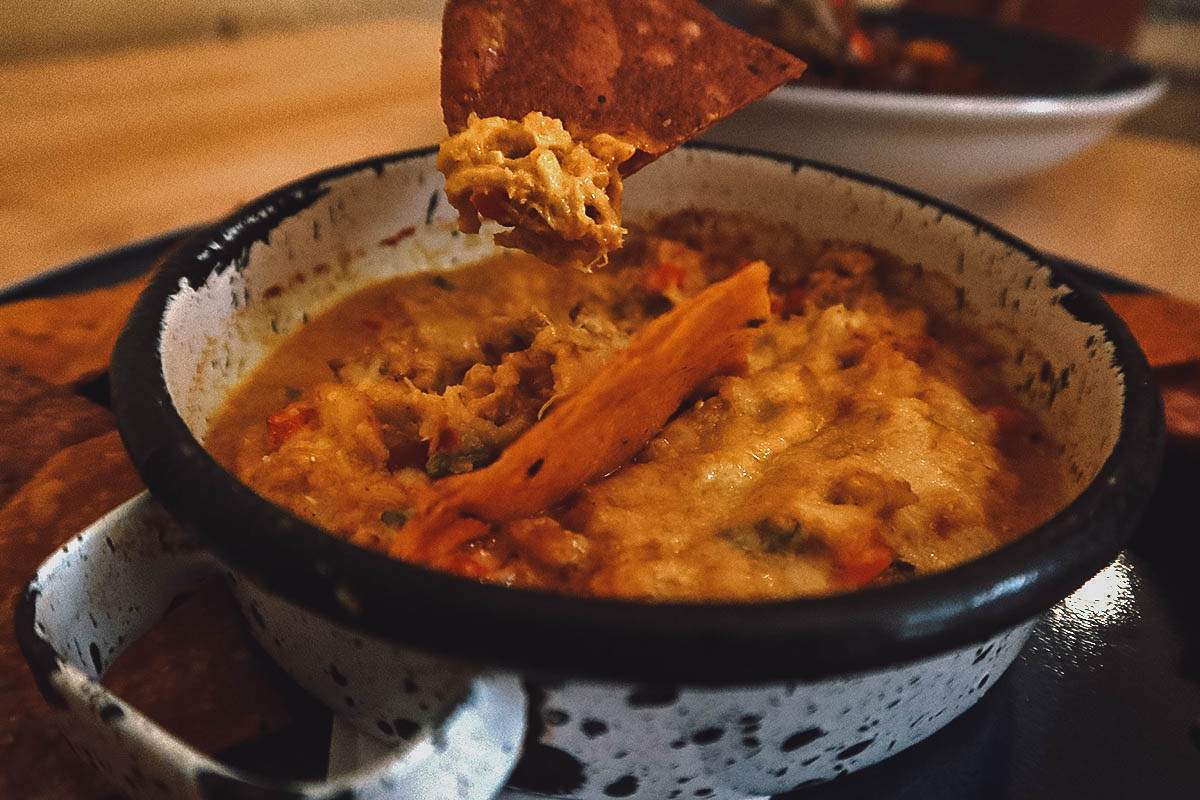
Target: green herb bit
x,y
453,462
395,518
770,535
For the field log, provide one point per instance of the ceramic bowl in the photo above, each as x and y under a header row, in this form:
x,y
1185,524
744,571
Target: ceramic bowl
x,y
1054,98
577,697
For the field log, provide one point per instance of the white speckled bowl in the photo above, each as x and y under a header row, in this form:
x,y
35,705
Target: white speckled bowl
x,y
615,698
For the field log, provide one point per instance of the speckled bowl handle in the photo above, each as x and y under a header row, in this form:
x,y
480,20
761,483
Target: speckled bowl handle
x,y
112,582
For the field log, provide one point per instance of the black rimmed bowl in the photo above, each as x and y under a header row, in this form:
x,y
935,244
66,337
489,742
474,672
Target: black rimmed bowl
x,y
625,699
1052,98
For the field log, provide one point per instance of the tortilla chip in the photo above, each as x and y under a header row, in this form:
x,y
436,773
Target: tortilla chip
x,y
1180,386
654,73
38,419
66,339
1167,328
201,651
606,422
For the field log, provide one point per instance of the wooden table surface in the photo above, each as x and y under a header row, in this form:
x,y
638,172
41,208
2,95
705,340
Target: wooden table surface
x,y
101,151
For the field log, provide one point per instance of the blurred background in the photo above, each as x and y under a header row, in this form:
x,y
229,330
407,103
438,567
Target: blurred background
x,y
125,119
1165,33
1161,29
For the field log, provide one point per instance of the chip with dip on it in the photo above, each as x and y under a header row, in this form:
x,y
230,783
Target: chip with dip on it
x,y
550,104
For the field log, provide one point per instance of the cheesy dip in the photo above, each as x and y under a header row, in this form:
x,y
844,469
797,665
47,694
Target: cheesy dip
x,y
561,197
866,440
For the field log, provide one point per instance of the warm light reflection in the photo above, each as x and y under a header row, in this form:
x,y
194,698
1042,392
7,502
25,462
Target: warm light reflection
x,y
1079,627
1105,599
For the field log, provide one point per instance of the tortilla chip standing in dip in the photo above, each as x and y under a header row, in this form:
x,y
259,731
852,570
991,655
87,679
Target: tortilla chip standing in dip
x,y
550,104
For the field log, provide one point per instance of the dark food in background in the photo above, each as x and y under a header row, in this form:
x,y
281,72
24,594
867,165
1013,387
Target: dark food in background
x,y
828,35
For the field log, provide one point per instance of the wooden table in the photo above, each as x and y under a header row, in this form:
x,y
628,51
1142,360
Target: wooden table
x,y
101,151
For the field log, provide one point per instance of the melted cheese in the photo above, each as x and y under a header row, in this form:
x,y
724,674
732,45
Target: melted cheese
x,y
561,197
864,435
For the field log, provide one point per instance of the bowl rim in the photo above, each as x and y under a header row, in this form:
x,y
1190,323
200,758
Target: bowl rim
x,y
1100,105
549,634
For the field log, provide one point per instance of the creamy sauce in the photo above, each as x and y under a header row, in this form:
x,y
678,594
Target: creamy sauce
x,y
866,442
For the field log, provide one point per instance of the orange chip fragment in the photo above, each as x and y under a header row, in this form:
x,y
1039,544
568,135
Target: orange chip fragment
x,y
66,339
1167,328
598,429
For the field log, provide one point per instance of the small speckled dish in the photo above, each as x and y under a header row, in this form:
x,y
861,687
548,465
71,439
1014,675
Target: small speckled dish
x,y
1053,98
475,686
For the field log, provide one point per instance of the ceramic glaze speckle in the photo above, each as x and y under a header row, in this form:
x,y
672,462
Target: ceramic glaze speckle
x,y
595,740
647,742
599,740
394,694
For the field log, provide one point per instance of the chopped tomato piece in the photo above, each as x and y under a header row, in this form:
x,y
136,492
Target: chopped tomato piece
x,y
1004,416
467,566
862,49
287,422
447,439
861,566
453,548
469,560
412,454
930,51
793,302
919,347
665,276
493,205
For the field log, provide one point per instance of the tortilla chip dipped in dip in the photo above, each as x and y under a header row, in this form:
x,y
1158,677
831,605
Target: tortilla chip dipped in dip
x,y
550,104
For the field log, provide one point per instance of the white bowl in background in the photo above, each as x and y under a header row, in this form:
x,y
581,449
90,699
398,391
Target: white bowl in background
x,y
1054,98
